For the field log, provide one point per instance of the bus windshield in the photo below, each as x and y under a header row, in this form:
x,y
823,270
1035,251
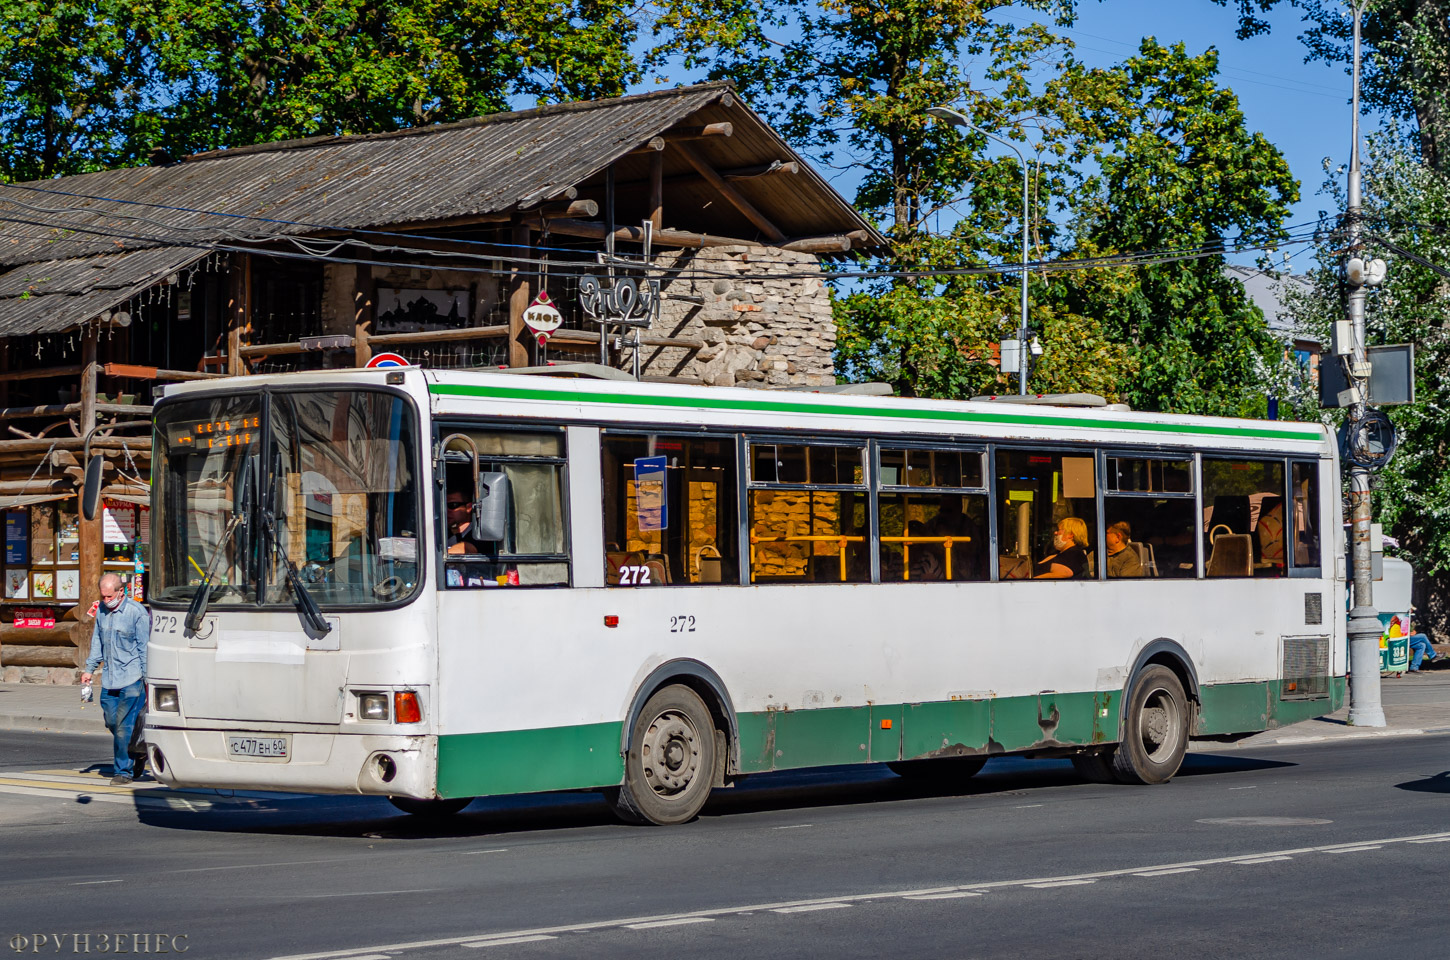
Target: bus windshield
x,y
337,474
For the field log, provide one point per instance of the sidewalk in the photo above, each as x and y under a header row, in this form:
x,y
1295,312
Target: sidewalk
x,y
1417,703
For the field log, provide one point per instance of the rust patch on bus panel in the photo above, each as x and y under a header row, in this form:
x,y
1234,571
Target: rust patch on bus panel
x,y
1048,723
948,751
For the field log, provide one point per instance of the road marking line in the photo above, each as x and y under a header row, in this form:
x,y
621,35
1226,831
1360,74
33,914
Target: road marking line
x,y
654,924
794,826
837,901
1433,840
1262,860
474,853
1027,806
91,883
501,942
809,907
943,896
1165,873
1243,788
1059,883
1355,849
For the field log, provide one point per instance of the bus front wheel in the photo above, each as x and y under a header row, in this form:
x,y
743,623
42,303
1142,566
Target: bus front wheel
x,y
670,763
1155,734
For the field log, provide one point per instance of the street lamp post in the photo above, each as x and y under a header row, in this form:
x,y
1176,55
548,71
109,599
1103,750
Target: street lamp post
x,y
1024,353
1364,627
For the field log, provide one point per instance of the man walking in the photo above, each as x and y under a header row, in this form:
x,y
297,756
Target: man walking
x,y
122,629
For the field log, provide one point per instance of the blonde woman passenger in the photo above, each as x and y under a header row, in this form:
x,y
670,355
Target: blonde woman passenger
x,y
1070,540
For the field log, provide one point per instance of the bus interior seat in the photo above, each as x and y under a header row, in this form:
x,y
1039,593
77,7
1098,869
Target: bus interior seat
x,y
1146,560
710,565
1232,511
1233,554
659,568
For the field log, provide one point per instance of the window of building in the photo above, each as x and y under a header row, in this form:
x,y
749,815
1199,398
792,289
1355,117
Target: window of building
x,y
671,510
533,551
1046,515
1148,516
932,515
809,521
1304,486
1243,518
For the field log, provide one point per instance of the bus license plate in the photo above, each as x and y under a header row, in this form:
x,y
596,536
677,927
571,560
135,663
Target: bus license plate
x,y
274,749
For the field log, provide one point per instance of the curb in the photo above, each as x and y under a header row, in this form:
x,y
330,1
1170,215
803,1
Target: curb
x,y
23,724
1305,739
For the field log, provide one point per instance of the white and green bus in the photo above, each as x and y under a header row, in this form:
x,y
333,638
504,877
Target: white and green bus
x,y
653,590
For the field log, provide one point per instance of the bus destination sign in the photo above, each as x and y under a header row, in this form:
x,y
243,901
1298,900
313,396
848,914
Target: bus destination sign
x,y
214,434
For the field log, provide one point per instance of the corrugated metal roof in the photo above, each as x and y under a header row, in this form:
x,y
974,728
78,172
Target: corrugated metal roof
x,y
48,296
52,231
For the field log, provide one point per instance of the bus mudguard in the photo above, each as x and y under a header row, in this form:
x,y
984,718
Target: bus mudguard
x,y
705,682
1171,655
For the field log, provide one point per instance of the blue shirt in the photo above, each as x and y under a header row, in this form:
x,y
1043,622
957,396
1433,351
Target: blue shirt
x,y
120,639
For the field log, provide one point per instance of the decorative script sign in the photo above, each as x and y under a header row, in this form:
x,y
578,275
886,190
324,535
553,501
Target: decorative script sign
x,y
627,302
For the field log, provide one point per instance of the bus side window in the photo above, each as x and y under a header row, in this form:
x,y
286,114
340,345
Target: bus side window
x,y
1304,487
809,519
932,509
1046,512
670,510
1243,518
534,550
1149,515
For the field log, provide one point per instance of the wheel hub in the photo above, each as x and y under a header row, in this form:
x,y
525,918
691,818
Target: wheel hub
x,y
670,752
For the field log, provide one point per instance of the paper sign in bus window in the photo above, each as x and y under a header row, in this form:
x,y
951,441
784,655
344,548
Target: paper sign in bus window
x,y
651,505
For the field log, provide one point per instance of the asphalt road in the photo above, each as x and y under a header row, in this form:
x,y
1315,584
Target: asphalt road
x,y
1322,850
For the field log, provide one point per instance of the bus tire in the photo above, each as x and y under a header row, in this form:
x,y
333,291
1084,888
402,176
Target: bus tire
x,y
431,809
940,769
669,764
1155,734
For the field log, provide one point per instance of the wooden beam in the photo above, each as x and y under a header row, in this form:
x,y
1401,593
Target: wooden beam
x,y
592,336
43,373
363,298
15,655
519,351
137,371
89,531
681,134
736,198
657,191
239,310
662,238
652,145
440,336
836,244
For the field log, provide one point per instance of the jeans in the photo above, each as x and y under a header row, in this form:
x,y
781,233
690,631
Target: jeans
x,y
1420,649
122,710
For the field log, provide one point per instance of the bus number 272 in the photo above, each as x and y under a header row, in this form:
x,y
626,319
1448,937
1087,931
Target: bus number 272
x,y
682,624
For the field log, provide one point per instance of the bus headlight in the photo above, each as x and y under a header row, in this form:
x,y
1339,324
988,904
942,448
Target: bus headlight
x,y
167,700
372,706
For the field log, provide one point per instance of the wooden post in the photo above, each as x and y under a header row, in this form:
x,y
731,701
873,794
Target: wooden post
x,y
362,314
4,369
239,311
657,190
89,531
520,342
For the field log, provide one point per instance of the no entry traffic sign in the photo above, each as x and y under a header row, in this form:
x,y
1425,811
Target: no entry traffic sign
x,y
387,360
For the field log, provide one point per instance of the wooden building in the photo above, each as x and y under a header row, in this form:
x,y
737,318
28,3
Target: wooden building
x,y
429,243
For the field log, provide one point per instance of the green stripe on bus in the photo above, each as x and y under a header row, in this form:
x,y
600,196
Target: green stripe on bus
x,y
797,406
573,758
529,761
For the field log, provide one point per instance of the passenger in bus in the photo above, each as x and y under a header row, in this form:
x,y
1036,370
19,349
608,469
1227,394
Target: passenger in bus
x,y
1070,540
1122,558
459,518
1270,533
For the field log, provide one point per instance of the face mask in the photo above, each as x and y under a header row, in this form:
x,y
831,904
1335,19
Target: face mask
x,y
114,605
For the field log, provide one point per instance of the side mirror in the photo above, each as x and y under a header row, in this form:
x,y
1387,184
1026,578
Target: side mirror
x,y
91,489
491,509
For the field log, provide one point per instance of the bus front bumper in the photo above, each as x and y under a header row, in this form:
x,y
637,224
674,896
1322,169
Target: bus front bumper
x,y
400,766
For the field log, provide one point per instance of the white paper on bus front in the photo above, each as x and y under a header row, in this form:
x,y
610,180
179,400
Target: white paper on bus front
x,y
258,646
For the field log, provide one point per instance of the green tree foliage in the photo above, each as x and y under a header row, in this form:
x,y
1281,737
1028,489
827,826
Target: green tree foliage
x,y
1407,63
88,84
1170,163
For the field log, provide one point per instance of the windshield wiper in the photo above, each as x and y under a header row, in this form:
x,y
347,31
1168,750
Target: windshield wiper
x,y
199,601
311,615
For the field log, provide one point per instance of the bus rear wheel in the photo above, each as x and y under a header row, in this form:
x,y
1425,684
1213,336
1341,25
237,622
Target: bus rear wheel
x,y
1155,734
670,763
431,808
